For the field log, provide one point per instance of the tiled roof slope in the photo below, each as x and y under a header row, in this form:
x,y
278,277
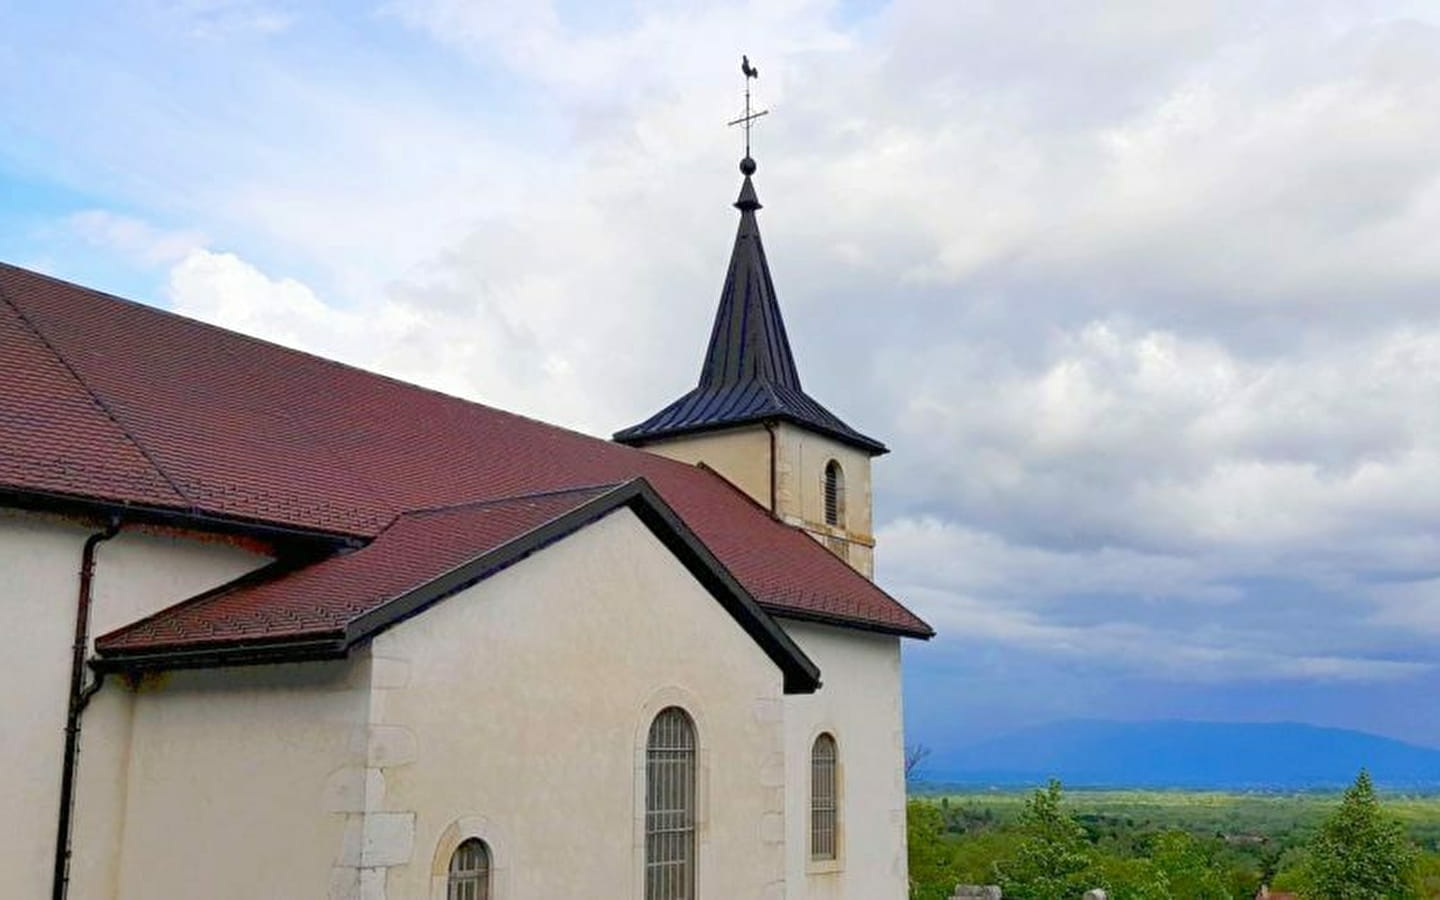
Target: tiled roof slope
x,y
108,400
749,373
323,598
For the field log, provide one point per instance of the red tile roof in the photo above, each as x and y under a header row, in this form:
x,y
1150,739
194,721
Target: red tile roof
x,y
323,598
102,399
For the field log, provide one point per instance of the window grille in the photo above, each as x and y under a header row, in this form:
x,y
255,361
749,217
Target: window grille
x,y
823,817
670,807
834,494
470,871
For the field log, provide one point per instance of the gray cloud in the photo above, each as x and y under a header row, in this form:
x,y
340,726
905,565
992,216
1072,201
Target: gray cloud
x,y
1141,294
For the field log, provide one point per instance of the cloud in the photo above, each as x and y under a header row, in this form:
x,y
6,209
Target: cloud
x,y
1116,610
1141,295
134,238
1135,650
220,19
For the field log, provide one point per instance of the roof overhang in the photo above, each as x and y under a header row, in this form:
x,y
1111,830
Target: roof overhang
x,y
800,674
630,438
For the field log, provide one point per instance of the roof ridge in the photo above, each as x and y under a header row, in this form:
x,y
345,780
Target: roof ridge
x,y
91,393
324,360
496,501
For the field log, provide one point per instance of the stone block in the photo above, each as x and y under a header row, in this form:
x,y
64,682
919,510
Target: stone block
x,y
353,789
389,839
372,884
976,892
389,745
772,828
344,883
389,672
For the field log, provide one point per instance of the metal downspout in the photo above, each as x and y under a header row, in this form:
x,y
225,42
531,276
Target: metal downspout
x,y
80,694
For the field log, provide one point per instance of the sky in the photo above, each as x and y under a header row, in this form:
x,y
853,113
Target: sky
x,y
1142,295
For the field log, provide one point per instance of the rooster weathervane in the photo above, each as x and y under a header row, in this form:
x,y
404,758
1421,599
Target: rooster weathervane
x,y
747,165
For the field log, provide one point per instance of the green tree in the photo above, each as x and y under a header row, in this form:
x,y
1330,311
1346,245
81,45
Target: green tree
x,y
1360,853
1052,859
1128,878
932,864
1190,867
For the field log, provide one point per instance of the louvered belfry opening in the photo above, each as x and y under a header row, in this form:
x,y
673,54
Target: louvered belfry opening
x,y
470,872
834,494
823,806
670,807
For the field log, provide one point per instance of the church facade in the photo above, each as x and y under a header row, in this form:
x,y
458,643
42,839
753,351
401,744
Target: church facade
x,y
281,628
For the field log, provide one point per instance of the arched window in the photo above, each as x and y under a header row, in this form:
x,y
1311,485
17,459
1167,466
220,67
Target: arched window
x,y
824,824
670,807
834,494
470,871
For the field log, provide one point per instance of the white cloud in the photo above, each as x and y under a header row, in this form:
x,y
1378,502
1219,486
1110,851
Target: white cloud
x,y
1142,296
134,238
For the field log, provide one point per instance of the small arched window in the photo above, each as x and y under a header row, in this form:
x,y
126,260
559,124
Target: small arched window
x,y
670,807
469,871
824,819
834,494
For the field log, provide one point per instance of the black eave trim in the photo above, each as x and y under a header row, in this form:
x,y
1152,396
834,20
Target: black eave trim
x,y
801,675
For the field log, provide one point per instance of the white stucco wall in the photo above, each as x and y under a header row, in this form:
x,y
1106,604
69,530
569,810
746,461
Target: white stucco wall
x,y
527,699
515,711
860,705
136,574
239,783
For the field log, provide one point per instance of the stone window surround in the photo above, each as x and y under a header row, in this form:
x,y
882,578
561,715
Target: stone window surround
x,y
657,702
837,864
456,833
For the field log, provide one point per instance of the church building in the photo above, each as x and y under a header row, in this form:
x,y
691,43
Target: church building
x,y
281,628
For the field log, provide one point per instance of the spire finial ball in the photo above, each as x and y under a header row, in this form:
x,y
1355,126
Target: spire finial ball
x,y
747,166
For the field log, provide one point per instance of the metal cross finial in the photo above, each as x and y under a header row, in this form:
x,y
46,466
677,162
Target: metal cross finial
x,y
750,72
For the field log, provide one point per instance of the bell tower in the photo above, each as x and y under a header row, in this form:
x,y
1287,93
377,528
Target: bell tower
x,y
749,419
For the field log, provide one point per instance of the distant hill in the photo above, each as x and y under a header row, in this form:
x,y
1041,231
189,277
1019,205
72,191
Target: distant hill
x,y
1186,755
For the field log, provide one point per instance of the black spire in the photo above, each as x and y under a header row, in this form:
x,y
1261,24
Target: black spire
x,y
749,373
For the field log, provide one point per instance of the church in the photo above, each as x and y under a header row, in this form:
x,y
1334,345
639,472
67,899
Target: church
x,y
283,629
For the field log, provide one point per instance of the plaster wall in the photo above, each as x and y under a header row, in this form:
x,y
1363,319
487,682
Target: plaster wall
x,y
859,705
136,573
247,783
526,701
800,492
742,455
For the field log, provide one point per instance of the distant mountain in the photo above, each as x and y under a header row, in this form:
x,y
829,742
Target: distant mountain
x,y
1186,755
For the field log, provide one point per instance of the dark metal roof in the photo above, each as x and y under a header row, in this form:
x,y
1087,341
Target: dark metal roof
x,y
749,373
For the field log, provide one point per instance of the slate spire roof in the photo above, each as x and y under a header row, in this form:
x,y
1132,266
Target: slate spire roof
x,y
749,373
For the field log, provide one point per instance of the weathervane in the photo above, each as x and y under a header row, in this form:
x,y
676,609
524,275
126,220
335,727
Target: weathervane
x,y
747,165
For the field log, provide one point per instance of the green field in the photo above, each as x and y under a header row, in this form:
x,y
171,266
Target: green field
x,y
1244,839
1202,813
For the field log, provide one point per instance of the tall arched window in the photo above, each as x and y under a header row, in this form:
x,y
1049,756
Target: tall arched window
x,y
834,494
470,871
670,807
824,824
